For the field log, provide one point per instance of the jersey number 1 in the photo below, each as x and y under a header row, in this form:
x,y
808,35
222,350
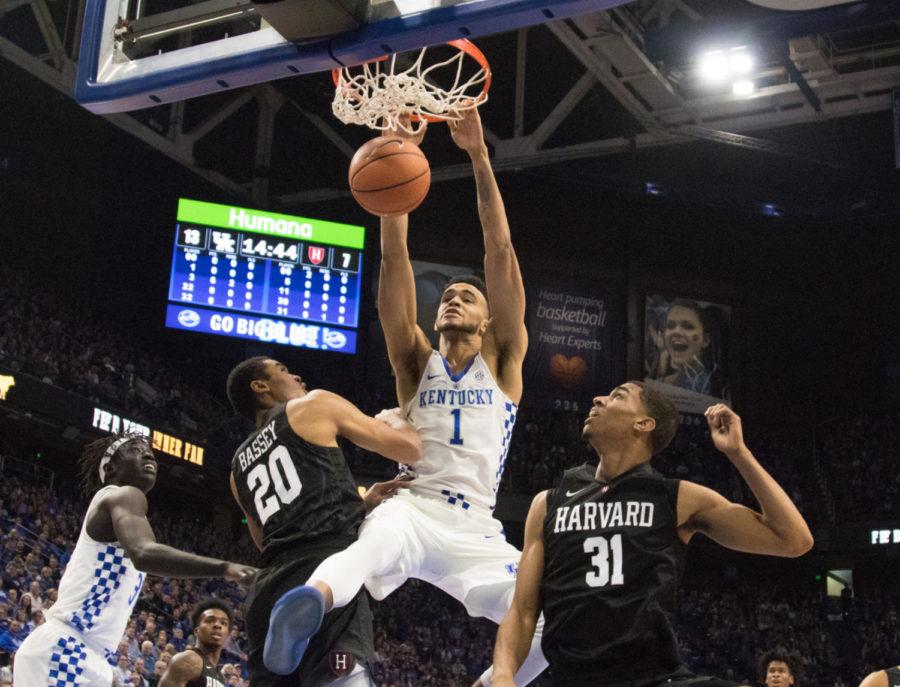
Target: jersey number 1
x,y
456,439
607,554
279,472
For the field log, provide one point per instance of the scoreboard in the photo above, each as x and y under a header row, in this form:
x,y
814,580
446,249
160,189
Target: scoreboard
x,y
265,276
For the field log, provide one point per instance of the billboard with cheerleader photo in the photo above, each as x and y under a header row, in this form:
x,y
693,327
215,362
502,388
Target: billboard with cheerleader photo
x,y
686,350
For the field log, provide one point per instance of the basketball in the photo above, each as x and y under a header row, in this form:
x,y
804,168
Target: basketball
x,y
389,176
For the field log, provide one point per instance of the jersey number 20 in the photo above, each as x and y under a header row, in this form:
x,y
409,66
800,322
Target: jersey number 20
x,y
608,554
280,473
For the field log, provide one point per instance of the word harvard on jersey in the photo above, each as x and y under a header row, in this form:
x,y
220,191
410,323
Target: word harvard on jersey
x,y
452,397
258,446
585,516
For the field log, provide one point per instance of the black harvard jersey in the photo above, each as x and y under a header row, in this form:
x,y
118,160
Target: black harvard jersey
x,y
211,675
612,561
893,675
295,490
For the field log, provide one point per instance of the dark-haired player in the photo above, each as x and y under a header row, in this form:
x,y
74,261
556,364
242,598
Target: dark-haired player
x,y
103,579
292,481
605,549
463,401
779,667
198,666
889,677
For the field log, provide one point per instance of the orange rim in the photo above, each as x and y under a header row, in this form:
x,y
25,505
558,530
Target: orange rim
x,y
462,44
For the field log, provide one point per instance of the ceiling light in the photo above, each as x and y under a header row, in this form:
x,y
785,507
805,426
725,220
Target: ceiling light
x,y
714,66
743,87
740,61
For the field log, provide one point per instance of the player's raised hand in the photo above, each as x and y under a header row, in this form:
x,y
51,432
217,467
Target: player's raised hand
x,y
381,491
725,428
242,574
467,132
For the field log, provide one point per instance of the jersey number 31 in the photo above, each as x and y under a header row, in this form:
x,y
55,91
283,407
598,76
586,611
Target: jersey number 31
x,y
607,554
278,472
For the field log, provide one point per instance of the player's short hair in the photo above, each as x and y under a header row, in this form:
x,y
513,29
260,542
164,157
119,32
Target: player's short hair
x,y
793,660
242,397
660,408
92,454
210,603
471,280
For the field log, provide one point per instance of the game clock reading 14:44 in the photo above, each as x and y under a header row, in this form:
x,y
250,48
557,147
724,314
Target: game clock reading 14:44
x,y
265,276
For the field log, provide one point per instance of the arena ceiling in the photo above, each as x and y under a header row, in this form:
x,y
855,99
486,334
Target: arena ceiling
x,y
614,96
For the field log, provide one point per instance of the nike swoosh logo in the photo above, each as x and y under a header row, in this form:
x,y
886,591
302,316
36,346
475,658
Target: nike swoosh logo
x,y
573,493
433,376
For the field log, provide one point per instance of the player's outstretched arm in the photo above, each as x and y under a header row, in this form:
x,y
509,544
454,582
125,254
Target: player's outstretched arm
x,y
183,668
517,629
324,416
408,347
127,508
501,267
779,530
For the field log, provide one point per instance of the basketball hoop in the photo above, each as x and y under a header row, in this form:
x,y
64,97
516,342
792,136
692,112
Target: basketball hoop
x,y
379,95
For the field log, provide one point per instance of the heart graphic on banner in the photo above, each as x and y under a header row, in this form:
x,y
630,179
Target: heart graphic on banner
x,y
569,372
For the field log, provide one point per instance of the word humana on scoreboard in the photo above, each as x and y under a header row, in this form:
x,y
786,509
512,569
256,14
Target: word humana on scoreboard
x,y
265,276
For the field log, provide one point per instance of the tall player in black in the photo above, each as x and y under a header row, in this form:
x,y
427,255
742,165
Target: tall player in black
x,y
302,505
604,550
198,666
889,677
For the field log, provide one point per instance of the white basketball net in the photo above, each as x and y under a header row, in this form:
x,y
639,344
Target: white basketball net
x,y
378,96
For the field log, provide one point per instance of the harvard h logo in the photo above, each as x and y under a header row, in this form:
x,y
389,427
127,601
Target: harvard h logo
x,y
341,662
316,254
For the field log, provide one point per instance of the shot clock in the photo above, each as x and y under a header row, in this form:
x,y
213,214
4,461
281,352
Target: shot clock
x,y
265,276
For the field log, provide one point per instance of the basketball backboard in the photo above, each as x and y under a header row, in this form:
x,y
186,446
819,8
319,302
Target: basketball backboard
x,y
131,59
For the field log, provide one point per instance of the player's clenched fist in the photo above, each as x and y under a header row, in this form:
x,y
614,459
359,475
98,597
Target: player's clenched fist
x,y
725,429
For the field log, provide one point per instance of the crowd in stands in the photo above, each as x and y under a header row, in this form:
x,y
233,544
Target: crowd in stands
x,y
51,339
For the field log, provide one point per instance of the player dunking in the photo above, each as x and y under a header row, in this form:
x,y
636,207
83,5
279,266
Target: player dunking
x,y
604,550
291,480
103,579
198,666
462,400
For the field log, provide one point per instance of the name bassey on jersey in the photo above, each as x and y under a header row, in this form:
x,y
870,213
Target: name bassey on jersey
x,y
258,447
465,422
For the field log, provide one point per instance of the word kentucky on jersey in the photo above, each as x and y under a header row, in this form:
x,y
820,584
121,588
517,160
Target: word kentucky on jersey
x,y
454,397
260,444
585,516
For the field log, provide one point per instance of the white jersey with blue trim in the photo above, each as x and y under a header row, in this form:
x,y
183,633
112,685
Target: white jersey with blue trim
x,y
98,589
465,422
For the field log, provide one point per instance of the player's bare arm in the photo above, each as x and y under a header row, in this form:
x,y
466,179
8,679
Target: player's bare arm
x,y
507,339
517,629
321,416
255,528
126,508
877,679
408,347
183,668
778,530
